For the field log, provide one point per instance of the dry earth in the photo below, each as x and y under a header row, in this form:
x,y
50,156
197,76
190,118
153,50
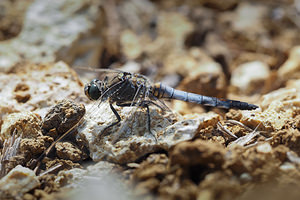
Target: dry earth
x,y
51,145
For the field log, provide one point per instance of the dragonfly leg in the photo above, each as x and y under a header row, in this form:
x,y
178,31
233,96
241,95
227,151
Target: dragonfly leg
x,y
149,121
114,123
145,105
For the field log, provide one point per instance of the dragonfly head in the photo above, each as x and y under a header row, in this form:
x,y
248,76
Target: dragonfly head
x,y
94,89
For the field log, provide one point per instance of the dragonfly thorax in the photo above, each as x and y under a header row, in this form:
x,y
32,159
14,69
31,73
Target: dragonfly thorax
x,y
94,89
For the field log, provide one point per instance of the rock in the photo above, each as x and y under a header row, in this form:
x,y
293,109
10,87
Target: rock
x,y
248,33
139,15
97,181
167,37
293,157
287,166
26,124
131,44
278,107
291,67
198,152
250,77
31,148
170,37
285,96
63,116
55,30
17,182
75,177
52,83
289,138
62,163
249,25
130,139
208,79
189,63
154,166
68,151
264,148
202,76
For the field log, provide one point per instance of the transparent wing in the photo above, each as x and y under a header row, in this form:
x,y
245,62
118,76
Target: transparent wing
x,y
87,74
132,115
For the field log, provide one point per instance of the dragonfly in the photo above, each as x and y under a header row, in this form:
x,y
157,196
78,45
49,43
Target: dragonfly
x,y
132,89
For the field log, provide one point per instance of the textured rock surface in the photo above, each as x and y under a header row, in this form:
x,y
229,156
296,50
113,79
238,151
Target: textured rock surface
x,y
63,116
17,182
279,107
192,44
26,124
131,140
52,83
67,151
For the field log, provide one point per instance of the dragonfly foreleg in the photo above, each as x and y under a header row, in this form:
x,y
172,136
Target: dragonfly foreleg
x,y
114,123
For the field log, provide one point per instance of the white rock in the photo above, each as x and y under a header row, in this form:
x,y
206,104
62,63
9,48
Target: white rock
x,y
52,83
291,67
130,139
287,166
244,23
250,77
96,182
264,148
17,182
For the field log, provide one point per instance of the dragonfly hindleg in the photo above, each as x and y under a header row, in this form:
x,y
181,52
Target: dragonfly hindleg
x,y
144,104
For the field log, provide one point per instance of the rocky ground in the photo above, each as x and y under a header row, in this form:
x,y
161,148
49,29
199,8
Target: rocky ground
x,y
51,145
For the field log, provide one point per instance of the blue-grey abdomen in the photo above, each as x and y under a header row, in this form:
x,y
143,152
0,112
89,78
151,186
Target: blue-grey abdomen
x,y
163,91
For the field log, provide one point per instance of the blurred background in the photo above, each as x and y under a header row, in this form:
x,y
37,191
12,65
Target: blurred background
x,y
216,48
209,47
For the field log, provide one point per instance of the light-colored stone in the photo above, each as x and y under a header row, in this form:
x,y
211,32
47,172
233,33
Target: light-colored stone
x,y
172,29
17,182
54,30
131,45
130,139
264,148
26,124
250,77
291,67
280,95
278,107
38,87
190,63
206,78
97,182
287,166
246,24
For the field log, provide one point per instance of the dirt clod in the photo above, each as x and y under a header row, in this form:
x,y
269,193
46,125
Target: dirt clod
x,y
63,116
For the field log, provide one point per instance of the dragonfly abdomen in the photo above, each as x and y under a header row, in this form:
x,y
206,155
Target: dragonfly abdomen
x,y
164,91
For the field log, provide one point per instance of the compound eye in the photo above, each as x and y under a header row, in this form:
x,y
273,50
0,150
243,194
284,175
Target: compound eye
x,y
92,91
